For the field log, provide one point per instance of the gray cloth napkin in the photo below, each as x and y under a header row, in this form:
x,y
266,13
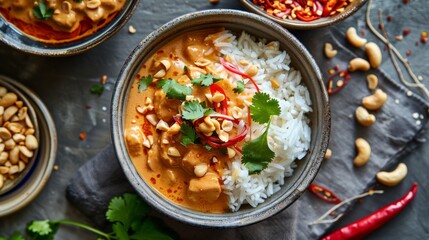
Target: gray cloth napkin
x,y
393,133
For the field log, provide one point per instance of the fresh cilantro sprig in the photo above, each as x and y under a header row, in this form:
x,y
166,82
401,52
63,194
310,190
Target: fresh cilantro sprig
x,y
256,153
194,109
205,80
239,88
97,89
189,136
173,89
127,213
144,82
263,107
42,12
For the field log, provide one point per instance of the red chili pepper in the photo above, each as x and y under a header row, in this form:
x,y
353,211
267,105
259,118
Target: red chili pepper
x,y
301,15
329,6
221,107
375,220
234,69
178,119
343,73
324,193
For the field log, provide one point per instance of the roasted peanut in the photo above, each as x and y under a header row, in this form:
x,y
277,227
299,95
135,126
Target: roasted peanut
x,y
31,142
252,70
375,101
328,154
394,177
363,152
353,38
372,81
8,99
173,152
358,64
363,117
329,50
9,113
200,170
374,54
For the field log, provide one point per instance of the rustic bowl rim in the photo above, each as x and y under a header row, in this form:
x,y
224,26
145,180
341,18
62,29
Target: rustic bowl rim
x,y
297,24
227,220
35,47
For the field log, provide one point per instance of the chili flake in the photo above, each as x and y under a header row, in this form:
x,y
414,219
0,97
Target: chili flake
x,y
82,135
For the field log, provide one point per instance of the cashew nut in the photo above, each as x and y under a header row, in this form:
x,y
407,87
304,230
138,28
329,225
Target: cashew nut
x,y
363,117
372,81
394,177
374,54
363,152
358,64
330,52
328,154
375,101
353,38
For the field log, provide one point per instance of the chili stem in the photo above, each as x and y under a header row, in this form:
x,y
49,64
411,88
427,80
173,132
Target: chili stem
x,y
91,229
369,193
398,55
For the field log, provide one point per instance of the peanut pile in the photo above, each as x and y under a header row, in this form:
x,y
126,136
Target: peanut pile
x,y
17,136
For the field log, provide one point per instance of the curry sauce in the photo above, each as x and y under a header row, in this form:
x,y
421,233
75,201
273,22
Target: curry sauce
x,y
60,21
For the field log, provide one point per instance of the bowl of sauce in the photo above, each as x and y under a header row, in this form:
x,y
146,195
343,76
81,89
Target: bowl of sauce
x,y
193,114
59,28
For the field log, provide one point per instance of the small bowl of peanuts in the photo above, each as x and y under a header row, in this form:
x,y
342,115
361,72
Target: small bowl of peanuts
x,y
27,145
18,138
304,14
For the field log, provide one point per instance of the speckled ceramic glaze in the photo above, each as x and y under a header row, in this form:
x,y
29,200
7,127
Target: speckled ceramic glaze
x,y
297,24
38,174
236,21
12,36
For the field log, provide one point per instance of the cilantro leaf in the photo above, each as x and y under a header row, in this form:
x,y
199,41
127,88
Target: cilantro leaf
x,y
15,236
42,12
126,209
263,107
239,88
257,154
194,110
145,82
42,230
205,80
151,229
174,89
189,136
208,147
120,231
97,89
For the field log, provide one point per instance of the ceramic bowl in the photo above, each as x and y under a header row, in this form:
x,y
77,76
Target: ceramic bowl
x,y
13,37
298,24
236,21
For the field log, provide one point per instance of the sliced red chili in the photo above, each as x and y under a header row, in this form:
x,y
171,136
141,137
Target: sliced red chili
x,y
178,119
301,15
324,193
329,6
345,74
221,107
234,69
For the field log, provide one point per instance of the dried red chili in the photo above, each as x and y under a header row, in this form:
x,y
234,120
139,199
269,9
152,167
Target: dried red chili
x,y
324,193
375,220
345,74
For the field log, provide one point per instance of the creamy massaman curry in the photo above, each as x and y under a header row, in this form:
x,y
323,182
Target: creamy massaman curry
x,y
189,120
58,21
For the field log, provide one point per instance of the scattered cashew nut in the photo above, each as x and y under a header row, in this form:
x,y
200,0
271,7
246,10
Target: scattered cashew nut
x,y
374,54
354,38
330,52
358,64
375,101
363,152
394,177
372,81
363,117
328,154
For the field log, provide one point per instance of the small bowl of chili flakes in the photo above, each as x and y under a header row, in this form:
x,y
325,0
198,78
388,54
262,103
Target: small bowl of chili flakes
x,y
304,14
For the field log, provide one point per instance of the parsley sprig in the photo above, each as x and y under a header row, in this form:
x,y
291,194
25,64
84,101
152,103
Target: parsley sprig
x,y
42,12
127,213
173,89
256,153
205,80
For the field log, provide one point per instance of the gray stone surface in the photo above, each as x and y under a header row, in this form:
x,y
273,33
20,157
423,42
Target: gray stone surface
x,y
63,84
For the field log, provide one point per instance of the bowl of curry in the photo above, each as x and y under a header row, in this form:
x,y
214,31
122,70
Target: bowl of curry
x,y
220,118
59,28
